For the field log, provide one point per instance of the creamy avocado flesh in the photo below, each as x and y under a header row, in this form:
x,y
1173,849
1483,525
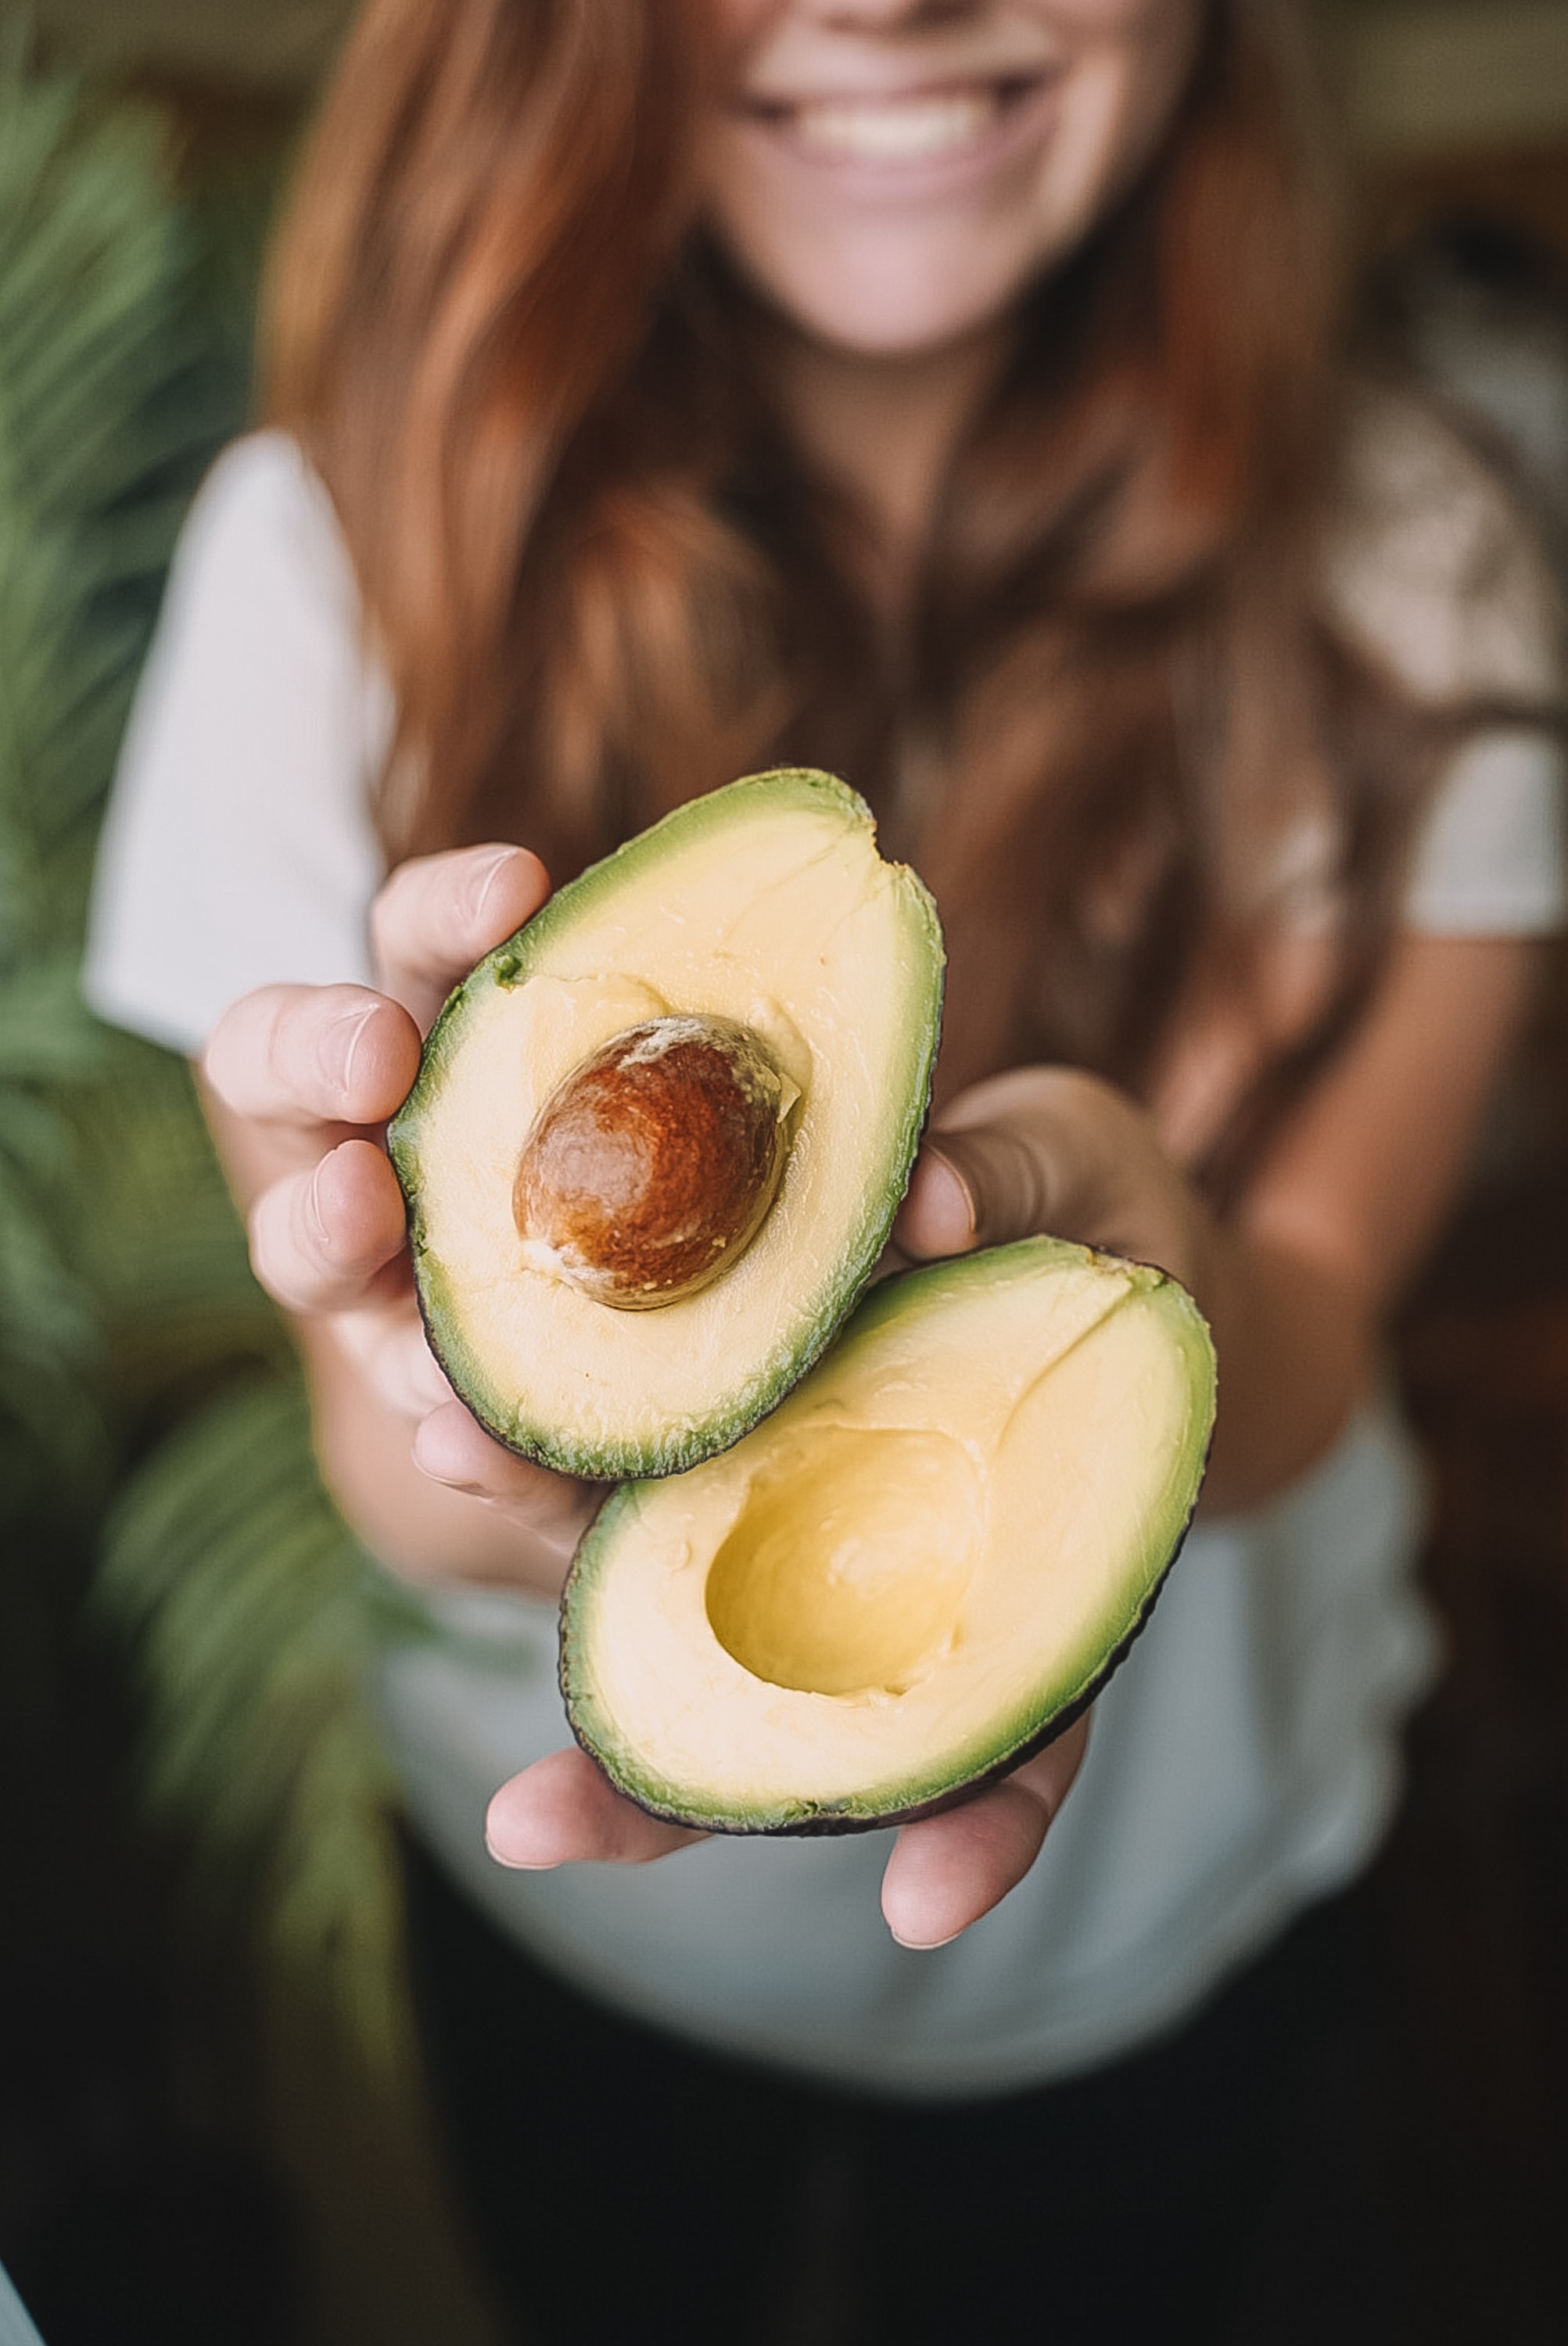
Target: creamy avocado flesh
x,y
918,1568
765,903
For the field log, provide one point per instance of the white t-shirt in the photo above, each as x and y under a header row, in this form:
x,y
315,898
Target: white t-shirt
x,y
1244,1760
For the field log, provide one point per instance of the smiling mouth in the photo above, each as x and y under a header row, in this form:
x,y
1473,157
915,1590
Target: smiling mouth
x,y
921,127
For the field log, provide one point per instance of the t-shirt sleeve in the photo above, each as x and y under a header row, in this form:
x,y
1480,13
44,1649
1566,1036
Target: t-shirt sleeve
x,y
1435,575
1491,859
239,849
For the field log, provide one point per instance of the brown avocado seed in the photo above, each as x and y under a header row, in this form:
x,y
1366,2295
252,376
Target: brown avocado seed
x,y
649,1169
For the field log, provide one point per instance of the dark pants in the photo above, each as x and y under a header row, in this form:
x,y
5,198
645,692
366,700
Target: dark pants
x,y
625,2188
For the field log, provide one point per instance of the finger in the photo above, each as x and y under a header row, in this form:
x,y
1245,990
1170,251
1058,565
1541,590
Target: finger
x,y
946,1871
390,1349
437,915
937,1217
312,1055
321,1239
979,1187
562,1810
453,1448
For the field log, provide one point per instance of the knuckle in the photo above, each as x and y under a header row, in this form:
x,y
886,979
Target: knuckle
x,y
273,1257
398,896
236,1063
419,896
296,1247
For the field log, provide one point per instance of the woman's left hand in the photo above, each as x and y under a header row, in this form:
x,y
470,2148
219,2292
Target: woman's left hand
x,y
1052,1151
944,1872
1040,1149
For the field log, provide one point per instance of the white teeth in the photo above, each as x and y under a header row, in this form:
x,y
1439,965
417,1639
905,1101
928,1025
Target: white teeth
x,y
895,129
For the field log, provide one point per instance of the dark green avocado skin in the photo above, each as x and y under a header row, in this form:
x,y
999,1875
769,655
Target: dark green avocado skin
x,y
679,1445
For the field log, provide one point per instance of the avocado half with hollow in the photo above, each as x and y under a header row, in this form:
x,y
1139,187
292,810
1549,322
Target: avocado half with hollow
x,y
658,1137
921,1567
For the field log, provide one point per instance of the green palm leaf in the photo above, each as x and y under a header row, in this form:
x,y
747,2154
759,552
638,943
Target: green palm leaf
x,y
258,1625
150,1404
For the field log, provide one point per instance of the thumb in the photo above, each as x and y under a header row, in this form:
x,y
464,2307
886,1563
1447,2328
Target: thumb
x,y
978,1186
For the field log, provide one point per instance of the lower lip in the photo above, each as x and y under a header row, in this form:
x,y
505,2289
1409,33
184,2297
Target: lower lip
x,y
1018,127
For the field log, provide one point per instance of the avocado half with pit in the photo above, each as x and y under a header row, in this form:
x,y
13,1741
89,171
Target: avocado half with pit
x,y
658,1137
919,1571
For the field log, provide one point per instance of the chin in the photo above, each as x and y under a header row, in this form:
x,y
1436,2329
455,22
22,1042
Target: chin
x,y
882,309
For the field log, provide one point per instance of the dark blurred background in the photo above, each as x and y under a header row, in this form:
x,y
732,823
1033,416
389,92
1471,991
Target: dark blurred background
x,y
210,2126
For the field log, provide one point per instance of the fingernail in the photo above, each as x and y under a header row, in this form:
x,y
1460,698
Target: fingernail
x,y
925,1946
522,1864
482,882
453,1483
462,1484
316,1220
339,1044
956,1214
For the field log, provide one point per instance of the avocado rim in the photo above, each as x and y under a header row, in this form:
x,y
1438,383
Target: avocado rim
x,y
777,1366
886,1805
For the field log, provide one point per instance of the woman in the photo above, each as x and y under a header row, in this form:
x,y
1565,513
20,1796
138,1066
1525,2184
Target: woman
x,y
942,391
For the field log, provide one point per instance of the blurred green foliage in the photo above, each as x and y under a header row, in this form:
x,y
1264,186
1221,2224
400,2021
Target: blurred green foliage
x,y
155,1475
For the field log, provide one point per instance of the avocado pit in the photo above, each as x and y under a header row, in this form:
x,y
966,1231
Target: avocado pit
x,y
652,1165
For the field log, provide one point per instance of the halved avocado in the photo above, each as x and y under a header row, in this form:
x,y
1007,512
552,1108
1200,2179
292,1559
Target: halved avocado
x,y
766,907
919,1569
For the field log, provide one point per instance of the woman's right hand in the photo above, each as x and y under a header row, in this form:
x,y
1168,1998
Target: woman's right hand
x,y
299,1083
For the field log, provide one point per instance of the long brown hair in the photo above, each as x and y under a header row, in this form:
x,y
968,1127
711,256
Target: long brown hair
x,y
601,578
